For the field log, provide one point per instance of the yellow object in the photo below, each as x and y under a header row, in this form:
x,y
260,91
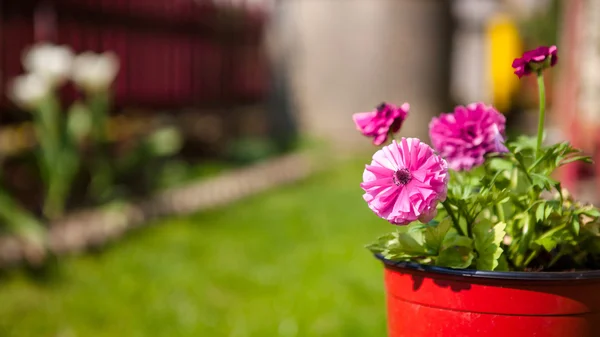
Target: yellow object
x,y
504,45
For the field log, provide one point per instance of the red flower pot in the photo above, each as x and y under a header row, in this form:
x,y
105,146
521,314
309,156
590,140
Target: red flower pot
x,y
426,301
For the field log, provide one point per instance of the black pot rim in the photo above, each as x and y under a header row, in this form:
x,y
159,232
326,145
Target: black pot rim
x,y
500,275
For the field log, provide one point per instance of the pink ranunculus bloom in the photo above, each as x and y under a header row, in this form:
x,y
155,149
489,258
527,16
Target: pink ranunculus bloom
x,y
535,60
405,182
464,137
379,123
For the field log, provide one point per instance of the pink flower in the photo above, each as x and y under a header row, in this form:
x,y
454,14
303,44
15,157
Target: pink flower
x,y
405,181
464,137
535,60
385,119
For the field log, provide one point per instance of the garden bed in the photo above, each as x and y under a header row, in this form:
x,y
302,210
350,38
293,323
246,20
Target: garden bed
x,y
89,228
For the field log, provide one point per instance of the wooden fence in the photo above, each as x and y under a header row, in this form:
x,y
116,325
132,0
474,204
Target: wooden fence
x,y
173,53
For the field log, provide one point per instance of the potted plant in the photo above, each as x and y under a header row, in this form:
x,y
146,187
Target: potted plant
x,y
487,243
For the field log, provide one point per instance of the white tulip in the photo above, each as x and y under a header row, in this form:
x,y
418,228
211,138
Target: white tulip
x,y
95,72
28,90
49,61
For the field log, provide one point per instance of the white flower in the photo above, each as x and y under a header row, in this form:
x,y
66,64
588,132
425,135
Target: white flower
x,y
28,90
95,72
49,61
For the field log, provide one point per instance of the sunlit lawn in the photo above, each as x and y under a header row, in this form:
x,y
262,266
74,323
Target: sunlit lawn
x,y
286,263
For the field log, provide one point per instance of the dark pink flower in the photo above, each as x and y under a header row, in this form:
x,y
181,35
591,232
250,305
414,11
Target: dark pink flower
x,y
405,181
464,137
535,60
379,123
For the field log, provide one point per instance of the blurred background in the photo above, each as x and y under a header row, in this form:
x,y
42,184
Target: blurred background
x,y
191,168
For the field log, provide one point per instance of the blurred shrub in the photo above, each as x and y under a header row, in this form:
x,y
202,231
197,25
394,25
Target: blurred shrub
x,y
251,149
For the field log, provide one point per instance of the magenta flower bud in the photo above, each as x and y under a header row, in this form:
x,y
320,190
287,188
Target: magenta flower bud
x,y
384,120
535,60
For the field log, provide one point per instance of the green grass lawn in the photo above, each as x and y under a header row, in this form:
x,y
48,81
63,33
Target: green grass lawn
x,y
286,263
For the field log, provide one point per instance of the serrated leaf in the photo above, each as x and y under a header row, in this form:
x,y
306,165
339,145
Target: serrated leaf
x,y
502,263
523,143
411,244
540,212
458,257
452,239
592,212
456,251
585,159
404,244
500,164
542,181
487,238
382,243
435,233
557,155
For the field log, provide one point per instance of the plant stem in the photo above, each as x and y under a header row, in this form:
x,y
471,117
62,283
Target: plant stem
x,y
542,115
450,212
500,212
497,206
50,133
530,258
552,231
102,175
470,229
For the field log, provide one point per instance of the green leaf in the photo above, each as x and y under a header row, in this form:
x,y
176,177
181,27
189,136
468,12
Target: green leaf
x,y
500,164
458,257
382,243
452,239
548,243
592,212
540,212
456,251
411,243
435,233
527,234
487,238
575,225
557,155
542,181
20,221
405,244
502,263
548,210
523,143
585,159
